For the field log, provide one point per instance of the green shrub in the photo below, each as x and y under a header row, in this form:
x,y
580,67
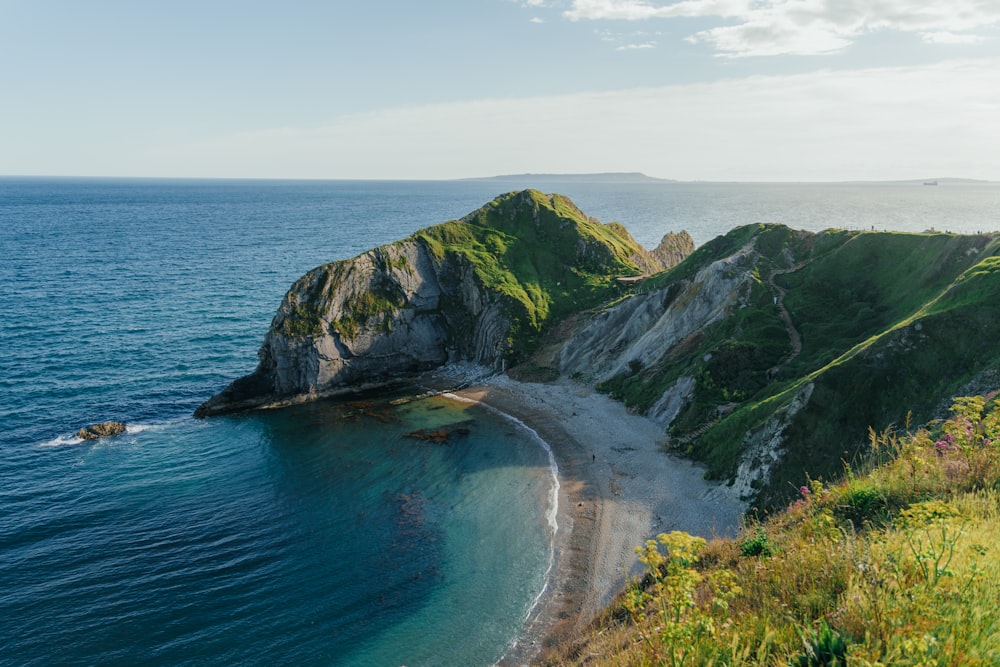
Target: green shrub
x,y
757,544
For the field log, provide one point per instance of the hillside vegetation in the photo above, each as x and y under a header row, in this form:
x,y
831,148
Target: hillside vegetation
x,y
827,334
897,564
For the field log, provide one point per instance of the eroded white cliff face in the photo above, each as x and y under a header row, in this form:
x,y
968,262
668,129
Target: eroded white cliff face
x,y
645,328
392,311
765,447
666,410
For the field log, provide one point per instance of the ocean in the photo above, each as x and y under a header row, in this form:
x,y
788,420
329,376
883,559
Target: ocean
x,y
314,535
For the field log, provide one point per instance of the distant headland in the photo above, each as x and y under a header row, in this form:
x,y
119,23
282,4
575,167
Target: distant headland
x,y
605,177
529,179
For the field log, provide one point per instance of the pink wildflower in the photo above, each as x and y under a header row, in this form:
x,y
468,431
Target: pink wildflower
x,y
943,446
796,505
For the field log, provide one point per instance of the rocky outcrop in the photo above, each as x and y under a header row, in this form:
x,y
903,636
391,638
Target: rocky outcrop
x,y
673,249
101,430
474,290
390,312
644,329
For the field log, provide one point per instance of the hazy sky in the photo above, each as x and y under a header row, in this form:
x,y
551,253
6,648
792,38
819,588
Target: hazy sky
x,y
797,90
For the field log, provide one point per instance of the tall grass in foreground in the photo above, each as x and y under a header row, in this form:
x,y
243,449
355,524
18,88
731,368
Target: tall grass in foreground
x,y
897,564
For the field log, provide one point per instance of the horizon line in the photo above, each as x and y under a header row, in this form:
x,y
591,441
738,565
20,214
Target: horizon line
x,y
606,176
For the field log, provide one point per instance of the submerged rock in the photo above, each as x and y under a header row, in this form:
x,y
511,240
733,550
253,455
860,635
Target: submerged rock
x,y
101,430
439,436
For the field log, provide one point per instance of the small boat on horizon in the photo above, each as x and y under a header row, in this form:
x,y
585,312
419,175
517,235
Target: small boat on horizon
x,y
930,182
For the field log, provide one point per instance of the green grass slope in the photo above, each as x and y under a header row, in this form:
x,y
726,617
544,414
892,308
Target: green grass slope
x,y
887,321
540,254
918,362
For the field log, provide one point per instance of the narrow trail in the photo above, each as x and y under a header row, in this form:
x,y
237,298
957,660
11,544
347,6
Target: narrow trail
x,y
779,301
720,412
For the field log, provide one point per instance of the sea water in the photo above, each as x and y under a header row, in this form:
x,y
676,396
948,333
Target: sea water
x,y
316,535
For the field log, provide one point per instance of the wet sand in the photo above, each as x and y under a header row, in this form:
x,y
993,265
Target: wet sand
x,y
618,487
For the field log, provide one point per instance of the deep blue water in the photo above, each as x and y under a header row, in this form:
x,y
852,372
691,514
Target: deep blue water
x,y
317,535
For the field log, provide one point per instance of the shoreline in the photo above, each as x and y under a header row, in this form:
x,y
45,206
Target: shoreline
x,y
616,486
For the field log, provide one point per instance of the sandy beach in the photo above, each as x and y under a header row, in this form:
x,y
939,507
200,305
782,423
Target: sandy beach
x,y
618,487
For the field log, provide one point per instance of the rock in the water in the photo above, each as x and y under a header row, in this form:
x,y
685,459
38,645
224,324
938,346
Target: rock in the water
x,y
102,430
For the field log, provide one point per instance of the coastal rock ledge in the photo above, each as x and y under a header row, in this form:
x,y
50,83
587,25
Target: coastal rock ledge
x,y
480,289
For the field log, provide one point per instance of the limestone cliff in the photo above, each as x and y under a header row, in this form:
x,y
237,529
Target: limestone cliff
x,y
642,330
480,289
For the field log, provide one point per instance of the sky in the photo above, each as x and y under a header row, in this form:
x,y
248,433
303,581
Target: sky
x,y
717,90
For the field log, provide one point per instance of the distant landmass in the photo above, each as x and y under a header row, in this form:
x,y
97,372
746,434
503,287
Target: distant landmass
x,y
947,181
535,180
607,177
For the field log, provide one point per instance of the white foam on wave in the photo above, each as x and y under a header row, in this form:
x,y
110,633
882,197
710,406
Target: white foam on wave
x,y
130,429
552,515
62,440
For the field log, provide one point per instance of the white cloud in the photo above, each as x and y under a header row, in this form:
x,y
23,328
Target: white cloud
x,y
629,41
945,37
866,124
804,27
536,19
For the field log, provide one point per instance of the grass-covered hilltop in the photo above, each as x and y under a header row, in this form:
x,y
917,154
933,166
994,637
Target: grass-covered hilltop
x,y
481,289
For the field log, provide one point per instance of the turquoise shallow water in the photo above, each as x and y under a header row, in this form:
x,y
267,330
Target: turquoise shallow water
x,y
318,535
313,535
